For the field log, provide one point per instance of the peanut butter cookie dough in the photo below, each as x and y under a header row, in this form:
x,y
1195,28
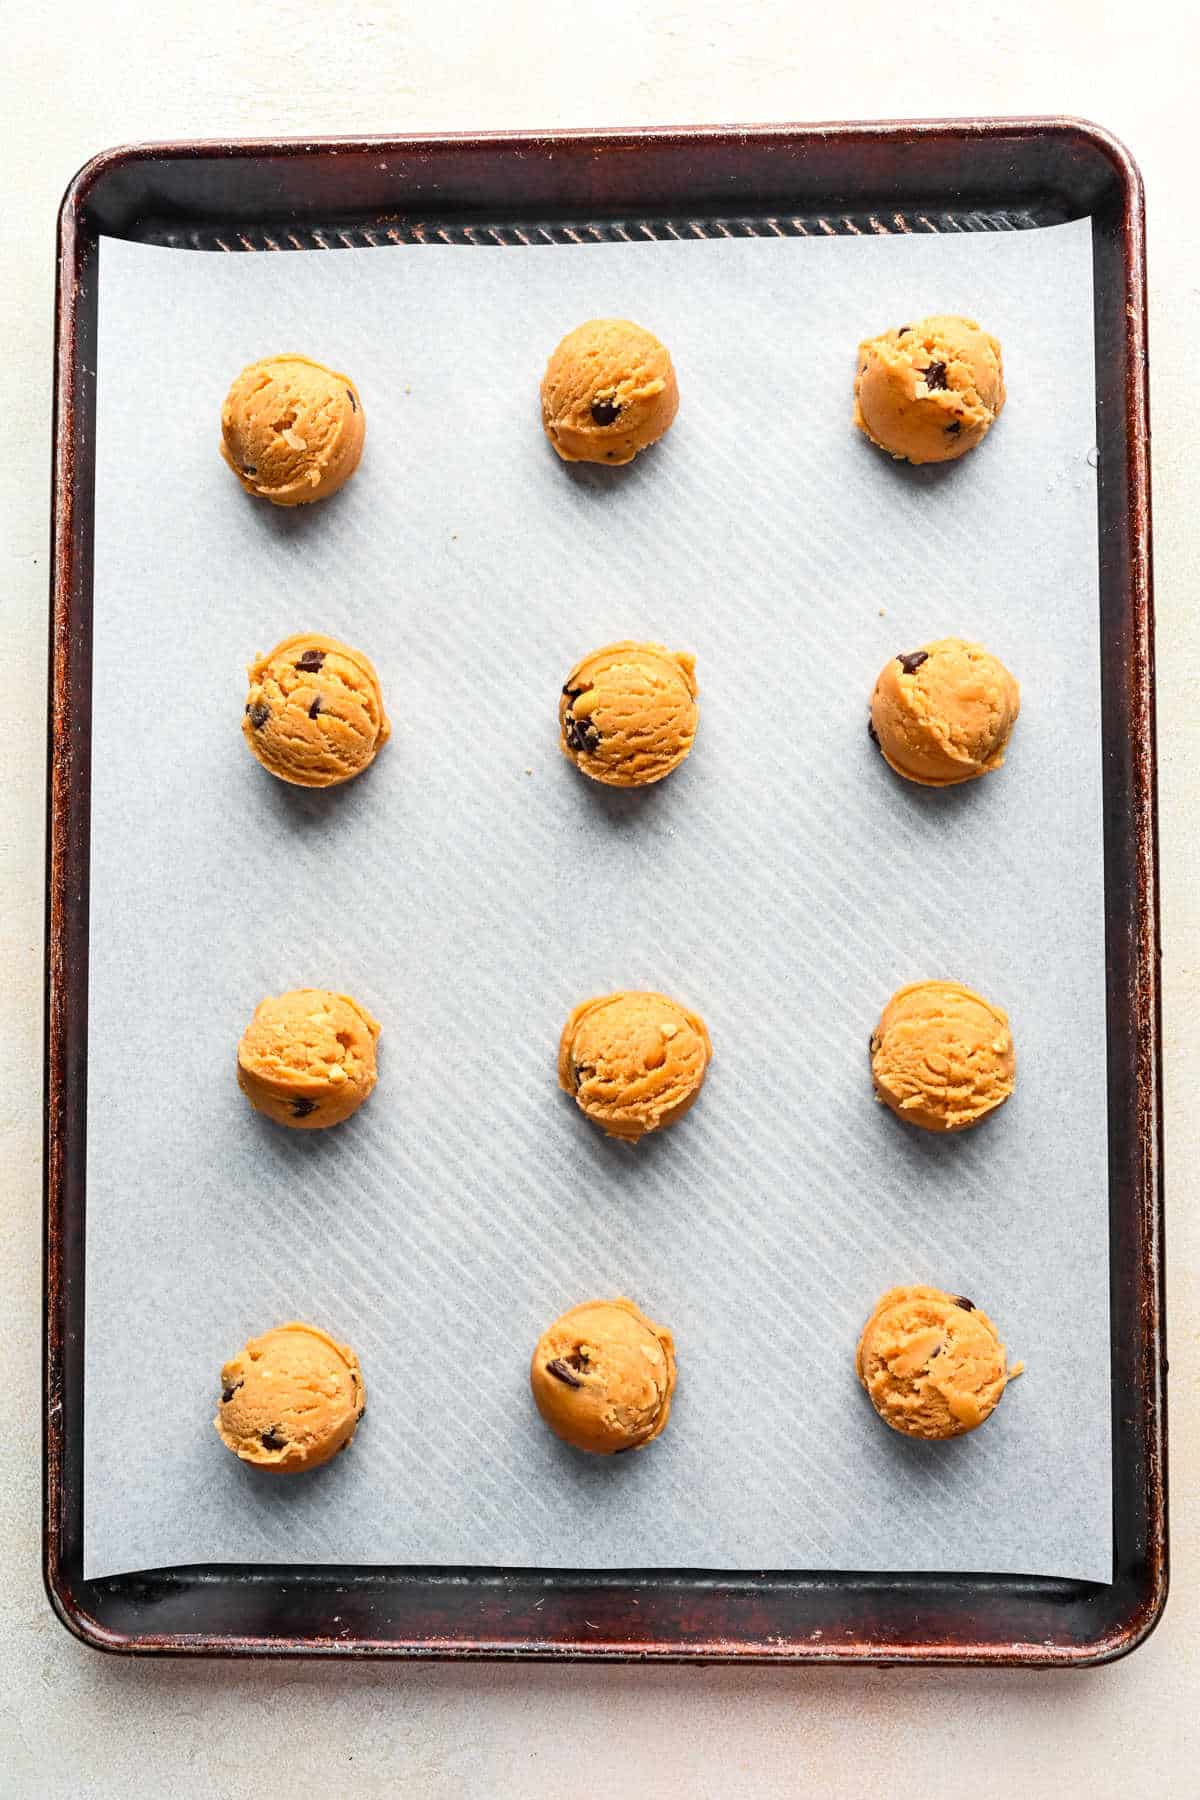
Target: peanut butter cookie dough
x,y
932,1363
943,714
942,1057
929,392
314,713
307,1058
292,430
635,1062
603,1375
290,1400
627,714
609,390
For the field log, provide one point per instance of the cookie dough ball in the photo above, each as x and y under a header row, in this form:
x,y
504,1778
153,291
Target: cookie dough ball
x,y
608,391
941,1056
314,713
307,1058
635,1062
932,1363
292,430
627,714
931,391
290,1400
943,714
603,1376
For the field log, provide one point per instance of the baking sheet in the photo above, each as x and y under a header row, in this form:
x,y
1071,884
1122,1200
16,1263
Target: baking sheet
x,y
472,887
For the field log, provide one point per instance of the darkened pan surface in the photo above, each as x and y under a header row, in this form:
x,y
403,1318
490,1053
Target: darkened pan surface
x,y
956,175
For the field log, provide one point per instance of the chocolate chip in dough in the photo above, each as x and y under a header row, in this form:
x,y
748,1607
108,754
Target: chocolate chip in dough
x,y
912,660
581,734
604,412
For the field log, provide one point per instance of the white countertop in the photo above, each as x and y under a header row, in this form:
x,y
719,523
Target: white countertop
x,y
75,1724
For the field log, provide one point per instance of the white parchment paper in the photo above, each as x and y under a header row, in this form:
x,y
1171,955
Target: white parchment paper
x,y
471,888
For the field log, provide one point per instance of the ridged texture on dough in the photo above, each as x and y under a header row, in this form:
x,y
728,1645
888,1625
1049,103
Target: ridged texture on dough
x,y
291,1399
932,1363
931,391
942,1056
314,712
603,1376
609,390
627,714
635,1062
943,714
292,430
307,1058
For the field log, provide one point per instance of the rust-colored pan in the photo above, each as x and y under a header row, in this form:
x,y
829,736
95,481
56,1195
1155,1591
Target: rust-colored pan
x,y
988,174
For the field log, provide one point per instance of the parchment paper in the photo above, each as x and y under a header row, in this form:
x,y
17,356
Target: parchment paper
x,y
472,887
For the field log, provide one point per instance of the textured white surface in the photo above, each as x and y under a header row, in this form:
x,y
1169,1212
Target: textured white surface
x,y
72,1724
474,887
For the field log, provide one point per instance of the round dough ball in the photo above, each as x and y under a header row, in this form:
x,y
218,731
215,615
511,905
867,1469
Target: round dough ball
x,y
292,430
932,1363
942,1057
603,1376
943,714
627,714
929,392
307,1058
635,1062
290,1400
314,713
609,390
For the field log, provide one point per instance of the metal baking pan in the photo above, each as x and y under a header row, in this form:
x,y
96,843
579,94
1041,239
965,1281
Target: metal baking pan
x,y
981,175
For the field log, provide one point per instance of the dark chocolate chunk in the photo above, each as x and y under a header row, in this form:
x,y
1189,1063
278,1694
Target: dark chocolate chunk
x,y
935,376
315,708
579,1073
250,469
901,329
911,661
605,411
871,731
227,1393
967,1305
953,428
311,660
573,693
302,1108
259,713
562,1371
580,734
352,400
273,1439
